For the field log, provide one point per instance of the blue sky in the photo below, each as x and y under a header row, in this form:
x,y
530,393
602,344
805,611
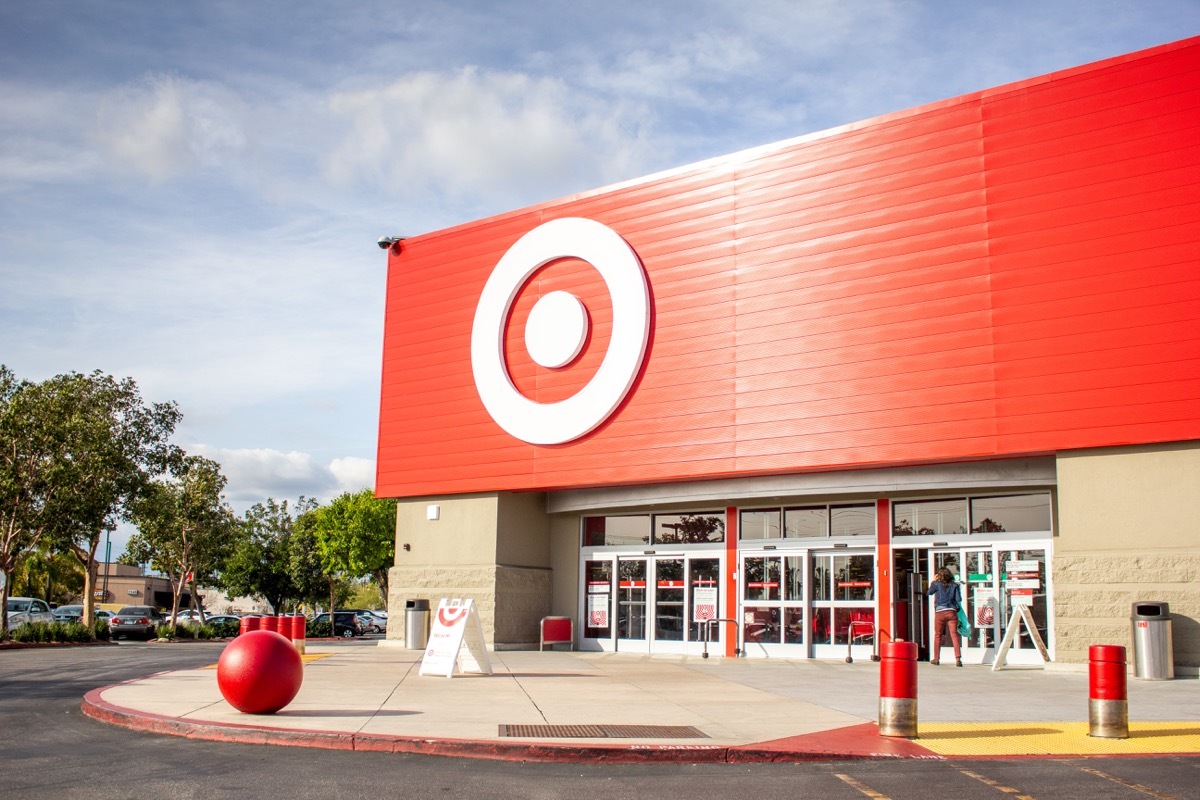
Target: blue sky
x,y
190,193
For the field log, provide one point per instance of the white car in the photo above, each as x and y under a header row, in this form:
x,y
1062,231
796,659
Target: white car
x,y
27,609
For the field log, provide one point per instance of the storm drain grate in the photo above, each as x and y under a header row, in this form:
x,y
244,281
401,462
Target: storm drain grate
x,y
601,732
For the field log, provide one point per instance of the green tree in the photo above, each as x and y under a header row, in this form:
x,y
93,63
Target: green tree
x,y
307,572
184,527
54,577
76,450
116,445
261,561
356,536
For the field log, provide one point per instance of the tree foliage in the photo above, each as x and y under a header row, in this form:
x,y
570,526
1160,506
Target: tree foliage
x,y
184,527
356,535
77,451
261,562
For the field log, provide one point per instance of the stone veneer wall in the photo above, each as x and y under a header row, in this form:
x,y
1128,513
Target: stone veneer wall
x,y
1129,531
1095,592
522,599
433,583
510,600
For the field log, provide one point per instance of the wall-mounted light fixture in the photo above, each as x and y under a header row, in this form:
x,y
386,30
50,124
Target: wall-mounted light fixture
x,y
388,242
407,547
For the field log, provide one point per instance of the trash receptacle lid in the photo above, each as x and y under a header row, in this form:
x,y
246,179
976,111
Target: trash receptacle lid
x,y
1149,609
416,605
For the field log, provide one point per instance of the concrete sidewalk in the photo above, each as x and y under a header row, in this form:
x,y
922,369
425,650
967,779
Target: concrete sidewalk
x,y
571,706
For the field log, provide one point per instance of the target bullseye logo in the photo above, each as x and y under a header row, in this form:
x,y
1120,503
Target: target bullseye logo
x,y
557,329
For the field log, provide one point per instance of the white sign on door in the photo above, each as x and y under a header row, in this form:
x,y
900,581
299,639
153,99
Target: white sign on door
x,y
597,610
704,603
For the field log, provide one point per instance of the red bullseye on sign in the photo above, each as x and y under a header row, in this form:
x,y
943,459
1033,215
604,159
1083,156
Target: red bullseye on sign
x,y
450,615
557,329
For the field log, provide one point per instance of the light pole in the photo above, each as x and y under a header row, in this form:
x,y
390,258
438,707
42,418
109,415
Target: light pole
x,y
107,565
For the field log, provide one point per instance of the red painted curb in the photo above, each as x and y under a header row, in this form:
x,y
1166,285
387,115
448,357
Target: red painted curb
x,y
860,742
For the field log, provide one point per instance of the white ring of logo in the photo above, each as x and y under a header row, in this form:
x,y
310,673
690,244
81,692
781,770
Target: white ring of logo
x,y
618,265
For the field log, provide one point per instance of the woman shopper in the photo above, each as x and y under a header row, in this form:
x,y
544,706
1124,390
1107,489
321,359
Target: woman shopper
x,y
947,599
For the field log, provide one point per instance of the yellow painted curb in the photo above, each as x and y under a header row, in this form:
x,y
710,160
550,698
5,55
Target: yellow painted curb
x,y
1054,738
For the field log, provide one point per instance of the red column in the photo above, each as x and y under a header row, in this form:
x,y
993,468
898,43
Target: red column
x,y
883,569
898,689
731,586
1108,706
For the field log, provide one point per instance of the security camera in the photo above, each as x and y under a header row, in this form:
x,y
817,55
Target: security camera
x,y
387,241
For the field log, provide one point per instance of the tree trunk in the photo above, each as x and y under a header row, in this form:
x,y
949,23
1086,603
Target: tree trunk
x,y
176,590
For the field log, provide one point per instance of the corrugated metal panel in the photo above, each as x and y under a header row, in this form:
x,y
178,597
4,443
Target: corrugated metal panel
x,y
1010,272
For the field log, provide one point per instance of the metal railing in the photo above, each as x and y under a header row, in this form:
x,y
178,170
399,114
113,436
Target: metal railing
x,y
737,632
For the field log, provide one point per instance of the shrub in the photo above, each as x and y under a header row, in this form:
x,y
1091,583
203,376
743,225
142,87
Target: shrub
x,y
222,630
100,631
318,630
45,632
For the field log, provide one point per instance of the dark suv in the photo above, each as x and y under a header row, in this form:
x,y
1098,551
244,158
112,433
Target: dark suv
x,y
345,623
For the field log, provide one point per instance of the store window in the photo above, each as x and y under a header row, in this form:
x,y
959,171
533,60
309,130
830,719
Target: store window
x,y
852,520
641,529
808,522
802,523
759,524
630,530
688,528
1018,513
930,518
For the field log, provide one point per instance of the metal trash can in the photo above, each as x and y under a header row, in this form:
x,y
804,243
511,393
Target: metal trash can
x,y
1153,655
416,624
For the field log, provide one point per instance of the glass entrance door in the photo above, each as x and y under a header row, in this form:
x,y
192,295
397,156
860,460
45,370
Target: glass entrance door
x,y
994,580
843,591
651,604
974,571
631,605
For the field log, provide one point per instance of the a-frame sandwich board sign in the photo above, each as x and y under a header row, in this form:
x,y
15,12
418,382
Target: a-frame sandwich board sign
x,y
456,641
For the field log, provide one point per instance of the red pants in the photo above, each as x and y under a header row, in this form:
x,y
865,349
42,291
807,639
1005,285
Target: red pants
x,y
940,620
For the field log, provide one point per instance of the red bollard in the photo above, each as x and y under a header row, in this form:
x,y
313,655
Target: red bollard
x,y
269,623
898,689
248,623
1108,700
299,628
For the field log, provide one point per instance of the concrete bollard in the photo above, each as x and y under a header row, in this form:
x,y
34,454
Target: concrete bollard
x,y
299,632
269,622
1108,700
898,689
248,623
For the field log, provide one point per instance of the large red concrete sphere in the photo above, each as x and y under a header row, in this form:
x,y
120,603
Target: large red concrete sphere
x,y
259,672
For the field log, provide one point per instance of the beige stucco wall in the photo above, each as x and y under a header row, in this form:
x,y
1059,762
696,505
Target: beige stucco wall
x,y
1129,530
564,560
491,548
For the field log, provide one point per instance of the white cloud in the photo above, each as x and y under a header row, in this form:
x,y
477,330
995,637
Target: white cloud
x,y
166,125
473,131
259,473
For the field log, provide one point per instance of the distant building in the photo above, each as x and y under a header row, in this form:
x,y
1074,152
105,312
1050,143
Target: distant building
x,y
121,584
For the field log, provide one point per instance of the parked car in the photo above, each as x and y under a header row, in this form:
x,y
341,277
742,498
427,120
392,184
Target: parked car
x,y
225,624
139,621
74,613
371,623
22,610
70,613
190,615
345,623
379,621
